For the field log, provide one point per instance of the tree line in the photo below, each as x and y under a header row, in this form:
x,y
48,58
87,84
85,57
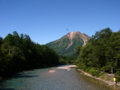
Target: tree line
x,y
19,52
101,54
65,60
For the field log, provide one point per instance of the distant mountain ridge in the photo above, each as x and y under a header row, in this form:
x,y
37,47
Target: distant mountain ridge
x,y
66,44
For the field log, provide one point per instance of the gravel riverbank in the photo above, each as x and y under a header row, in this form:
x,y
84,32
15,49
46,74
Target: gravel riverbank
x,y
110,82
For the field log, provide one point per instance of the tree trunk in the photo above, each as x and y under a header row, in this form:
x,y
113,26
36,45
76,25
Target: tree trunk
x,y
111,70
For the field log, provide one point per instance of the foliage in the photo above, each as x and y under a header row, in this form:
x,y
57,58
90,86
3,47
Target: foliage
x,y
102,53
117,74
19,52
77,49
66,59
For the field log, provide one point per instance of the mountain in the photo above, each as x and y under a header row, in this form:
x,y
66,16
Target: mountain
x,y
66,44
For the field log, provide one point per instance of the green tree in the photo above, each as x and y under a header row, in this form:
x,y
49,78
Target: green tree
x,y
93,55
112,52
77,49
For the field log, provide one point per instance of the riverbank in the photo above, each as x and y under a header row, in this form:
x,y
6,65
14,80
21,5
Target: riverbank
x,y
66,67
62,77
107,78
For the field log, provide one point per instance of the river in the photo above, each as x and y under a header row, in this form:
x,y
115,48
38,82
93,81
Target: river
x,y
53,78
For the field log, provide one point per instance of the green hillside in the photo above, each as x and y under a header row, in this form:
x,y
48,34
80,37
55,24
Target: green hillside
x,y
60,45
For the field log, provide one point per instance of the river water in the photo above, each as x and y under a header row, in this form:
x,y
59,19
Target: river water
x,y
54,78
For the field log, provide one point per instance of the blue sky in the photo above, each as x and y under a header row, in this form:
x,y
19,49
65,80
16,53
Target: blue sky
x,y
47,20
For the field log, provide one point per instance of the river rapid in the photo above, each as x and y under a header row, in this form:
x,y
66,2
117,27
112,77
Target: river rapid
x,y
54,78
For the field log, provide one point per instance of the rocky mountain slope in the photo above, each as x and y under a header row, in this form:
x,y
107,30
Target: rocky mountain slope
x,y
68,42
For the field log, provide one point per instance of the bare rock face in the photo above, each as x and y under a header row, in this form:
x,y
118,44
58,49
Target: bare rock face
x,y
83,36
66,44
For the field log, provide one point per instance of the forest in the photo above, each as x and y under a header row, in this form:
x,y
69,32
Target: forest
x,y
19,52
101,54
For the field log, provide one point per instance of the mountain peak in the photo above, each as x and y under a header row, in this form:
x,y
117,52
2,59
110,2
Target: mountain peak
x,y
66,44
83,36
75,32
72,34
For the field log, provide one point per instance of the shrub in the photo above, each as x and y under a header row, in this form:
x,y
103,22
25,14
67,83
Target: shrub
x,y
117,74
95,72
